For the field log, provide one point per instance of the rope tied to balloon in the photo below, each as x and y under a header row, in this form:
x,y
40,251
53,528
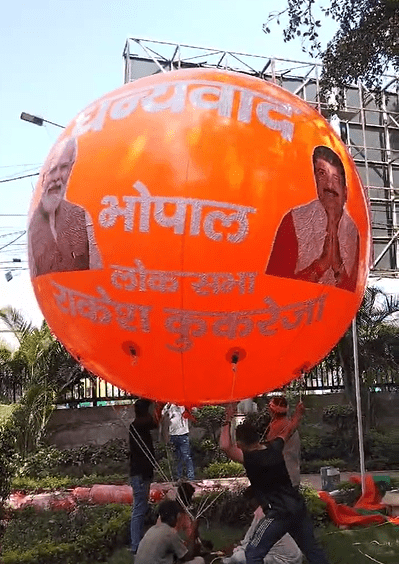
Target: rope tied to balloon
x,y
204,505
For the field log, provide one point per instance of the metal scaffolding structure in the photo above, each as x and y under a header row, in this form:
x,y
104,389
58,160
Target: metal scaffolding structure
x,y
370,129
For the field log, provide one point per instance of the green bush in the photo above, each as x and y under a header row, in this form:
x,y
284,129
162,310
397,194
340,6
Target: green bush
x,y
164,469
8,459
51,483
315,506
314,466
310,442
85,536
110,458
384,446
224,470
341,417
320,448
42,462
349,493
206,449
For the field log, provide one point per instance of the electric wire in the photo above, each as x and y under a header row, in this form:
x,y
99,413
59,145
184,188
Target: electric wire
x,y
11,242
19,177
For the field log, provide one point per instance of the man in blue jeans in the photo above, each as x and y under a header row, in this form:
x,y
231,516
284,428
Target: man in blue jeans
x,y
178,416
141,465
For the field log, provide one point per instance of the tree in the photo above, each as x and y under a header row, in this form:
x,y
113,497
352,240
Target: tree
x,y
210,418
42,368
378,347
40,357
364,47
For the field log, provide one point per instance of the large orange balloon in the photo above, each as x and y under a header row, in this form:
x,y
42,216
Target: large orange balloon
x,y
199,236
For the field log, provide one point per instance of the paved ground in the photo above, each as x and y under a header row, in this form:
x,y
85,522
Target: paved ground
x,y
315,479
311,479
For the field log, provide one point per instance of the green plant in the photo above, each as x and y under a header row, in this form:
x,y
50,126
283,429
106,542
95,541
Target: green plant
x,y
315,506
349,493
210,418
342,417
164,468
384,445
314,466
8,461
259,419
310,442
110,458
85,536
48,483
5,412
224,470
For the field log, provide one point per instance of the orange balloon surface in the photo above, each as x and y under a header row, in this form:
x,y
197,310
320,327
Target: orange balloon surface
x,y
199,236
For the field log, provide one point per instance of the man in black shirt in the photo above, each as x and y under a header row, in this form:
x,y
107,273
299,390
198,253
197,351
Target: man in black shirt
x,y
141,465
282,504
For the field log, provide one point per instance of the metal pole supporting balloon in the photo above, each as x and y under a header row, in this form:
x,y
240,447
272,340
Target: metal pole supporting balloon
x,y
358,405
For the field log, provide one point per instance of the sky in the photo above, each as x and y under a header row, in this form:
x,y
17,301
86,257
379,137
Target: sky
x,y
57,56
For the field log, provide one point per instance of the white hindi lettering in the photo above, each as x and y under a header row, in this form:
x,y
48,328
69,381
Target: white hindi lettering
x,y
234,324
234,216
204,283
186,324
132,317
174,96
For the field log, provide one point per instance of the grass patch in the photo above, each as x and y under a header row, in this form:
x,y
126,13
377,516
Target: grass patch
x,y
121,556
222,537
362,546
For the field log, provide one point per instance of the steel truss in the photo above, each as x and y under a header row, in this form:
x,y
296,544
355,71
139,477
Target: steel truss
x,y
370,129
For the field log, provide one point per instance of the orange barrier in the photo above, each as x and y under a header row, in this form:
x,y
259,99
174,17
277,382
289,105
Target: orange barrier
x,y
81,494
99,494
102,494
44,501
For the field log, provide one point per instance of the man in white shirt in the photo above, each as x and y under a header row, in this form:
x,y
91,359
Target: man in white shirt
x,y
179,437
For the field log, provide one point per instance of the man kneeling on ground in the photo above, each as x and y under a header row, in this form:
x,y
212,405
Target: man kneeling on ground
x,y
285,551
162,545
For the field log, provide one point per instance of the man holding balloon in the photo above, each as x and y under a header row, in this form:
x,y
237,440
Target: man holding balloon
x,y
283,506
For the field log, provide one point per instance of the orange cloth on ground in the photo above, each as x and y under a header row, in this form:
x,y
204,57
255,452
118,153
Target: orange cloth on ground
x,y
371,497
342,515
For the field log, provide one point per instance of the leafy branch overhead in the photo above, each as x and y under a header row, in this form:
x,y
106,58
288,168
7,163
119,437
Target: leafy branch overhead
x,y
365,46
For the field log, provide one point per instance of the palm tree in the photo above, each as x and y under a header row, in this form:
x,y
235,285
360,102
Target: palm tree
x,y
378,347
42,368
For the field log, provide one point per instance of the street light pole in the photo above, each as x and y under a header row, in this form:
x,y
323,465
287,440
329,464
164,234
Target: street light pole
x,y
38,120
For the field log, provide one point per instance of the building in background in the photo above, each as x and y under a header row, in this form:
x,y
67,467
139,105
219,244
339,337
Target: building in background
x,y
370,130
